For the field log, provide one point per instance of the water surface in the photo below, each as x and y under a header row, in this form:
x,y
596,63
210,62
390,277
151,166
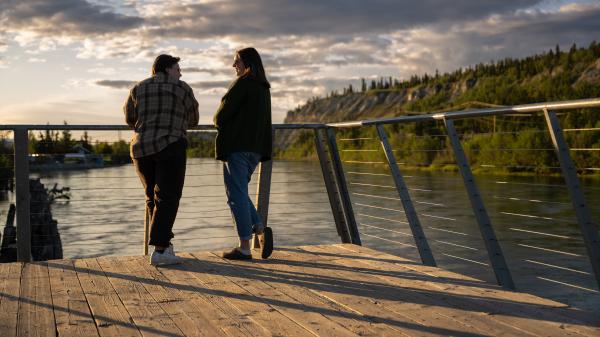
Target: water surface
x,y
532,217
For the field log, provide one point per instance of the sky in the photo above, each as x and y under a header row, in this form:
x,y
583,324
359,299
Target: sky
x,y
74,60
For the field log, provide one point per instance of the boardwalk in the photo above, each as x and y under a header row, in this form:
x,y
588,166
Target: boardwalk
x,y
336,290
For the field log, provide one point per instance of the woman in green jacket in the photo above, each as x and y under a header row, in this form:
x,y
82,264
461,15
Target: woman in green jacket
x,y
244,139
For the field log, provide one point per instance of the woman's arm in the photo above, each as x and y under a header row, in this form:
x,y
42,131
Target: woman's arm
x,y
230,103
191,108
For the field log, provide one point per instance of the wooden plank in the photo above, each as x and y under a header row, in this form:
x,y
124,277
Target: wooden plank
x,y
263,314
428,305
36,317
149,317
285,278
358,292
494,292
527,312
343,292
193,317
110,315
308,316
491,290
365,253
4,282
232,320
71,312
9,301
340,290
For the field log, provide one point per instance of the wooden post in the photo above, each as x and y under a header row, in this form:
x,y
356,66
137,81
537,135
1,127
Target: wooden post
x,y
21,146
332,189
503,276
582,211
409,209
343,188
263,193
147,218
265,172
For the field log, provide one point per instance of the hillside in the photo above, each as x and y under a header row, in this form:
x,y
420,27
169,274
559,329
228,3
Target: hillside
x,y
554,75
551,76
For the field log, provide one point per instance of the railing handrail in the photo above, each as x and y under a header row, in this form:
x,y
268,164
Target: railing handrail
x,y
515,109
458,114
121,127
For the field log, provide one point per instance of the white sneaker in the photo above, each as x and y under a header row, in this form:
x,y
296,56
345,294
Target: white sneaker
x,y
170,249
158,259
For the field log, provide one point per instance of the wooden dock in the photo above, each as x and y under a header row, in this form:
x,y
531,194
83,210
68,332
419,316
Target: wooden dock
x,y
333,290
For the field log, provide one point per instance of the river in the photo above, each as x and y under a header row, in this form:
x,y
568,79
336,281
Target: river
x,y
532,217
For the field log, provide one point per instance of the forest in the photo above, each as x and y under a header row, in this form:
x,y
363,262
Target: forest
x,y
507,144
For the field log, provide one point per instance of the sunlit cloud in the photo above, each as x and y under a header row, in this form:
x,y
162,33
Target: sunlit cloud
x,y
117,84
309,48
64,18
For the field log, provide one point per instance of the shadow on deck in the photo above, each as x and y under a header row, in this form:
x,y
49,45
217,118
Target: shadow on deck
x,y
332,290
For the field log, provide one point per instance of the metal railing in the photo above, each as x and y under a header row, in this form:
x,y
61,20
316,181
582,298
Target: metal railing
x,y
338,188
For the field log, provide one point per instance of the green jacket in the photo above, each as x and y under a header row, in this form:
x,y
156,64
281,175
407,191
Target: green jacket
x,y
243,120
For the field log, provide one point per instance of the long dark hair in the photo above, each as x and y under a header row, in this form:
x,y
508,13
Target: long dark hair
x,y
254,64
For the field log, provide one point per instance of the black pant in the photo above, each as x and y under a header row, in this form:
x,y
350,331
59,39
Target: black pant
x,y
162,175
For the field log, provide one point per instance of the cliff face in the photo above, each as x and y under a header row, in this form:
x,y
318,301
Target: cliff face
x,y
372,104
591,74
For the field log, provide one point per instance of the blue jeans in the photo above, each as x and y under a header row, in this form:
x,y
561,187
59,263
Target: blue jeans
x,y
237,172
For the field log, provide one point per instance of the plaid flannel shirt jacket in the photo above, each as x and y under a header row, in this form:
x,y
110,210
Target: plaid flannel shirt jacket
x,y
160,109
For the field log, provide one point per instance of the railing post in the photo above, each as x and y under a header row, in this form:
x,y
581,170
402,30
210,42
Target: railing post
x,y
265,171
147,218
330,185
343,188
21,146
409,209
584,217
492,245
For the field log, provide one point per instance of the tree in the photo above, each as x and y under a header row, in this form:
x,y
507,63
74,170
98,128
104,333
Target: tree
x,y
85,141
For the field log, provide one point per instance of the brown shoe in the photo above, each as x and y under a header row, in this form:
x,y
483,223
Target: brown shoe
x,y
236,254
266,243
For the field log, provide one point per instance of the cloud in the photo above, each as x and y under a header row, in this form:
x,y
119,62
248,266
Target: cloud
x,y
308,48
448,47
112,29
201,85
210,71
116,84
264,18
64,17
211,84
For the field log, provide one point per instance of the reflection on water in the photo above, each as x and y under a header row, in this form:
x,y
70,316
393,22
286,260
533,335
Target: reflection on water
x,y
532,216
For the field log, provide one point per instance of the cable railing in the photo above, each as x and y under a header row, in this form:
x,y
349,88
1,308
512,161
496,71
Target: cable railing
x,y
540,235
515,231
